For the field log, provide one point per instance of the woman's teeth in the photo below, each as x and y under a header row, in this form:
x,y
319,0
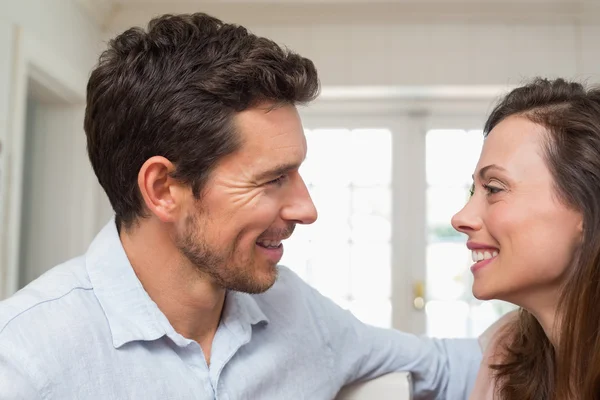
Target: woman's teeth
x,y
483,255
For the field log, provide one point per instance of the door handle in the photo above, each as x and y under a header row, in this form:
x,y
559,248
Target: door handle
x,y
419,295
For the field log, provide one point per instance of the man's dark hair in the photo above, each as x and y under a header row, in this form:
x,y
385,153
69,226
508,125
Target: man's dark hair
x,y
172,91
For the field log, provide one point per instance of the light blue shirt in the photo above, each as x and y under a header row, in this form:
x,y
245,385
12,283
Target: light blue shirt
x,y
87,330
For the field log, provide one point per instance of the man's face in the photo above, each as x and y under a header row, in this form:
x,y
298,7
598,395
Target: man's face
x,y
252,201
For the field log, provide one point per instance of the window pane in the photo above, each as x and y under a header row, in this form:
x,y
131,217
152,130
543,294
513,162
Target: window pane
x,y
451,156
442,204
373,312
370,271
483,314
374,201
447,267
324,166
451,309
296,256
333,206
370,228
302,233
332,200
348,174
371,157
448,319
329,268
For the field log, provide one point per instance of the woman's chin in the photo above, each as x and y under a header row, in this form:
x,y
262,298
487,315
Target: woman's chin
x,y
483,293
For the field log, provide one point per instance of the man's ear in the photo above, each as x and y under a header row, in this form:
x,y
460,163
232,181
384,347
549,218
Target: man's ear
x,y
162,194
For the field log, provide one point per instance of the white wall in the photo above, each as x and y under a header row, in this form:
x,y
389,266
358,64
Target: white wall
x,y
6,47
56,208
52,43
60,25
436,44
438,54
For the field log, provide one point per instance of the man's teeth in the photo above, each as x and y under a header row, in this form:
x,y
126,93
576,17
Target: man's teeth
x,y
483,255
269,243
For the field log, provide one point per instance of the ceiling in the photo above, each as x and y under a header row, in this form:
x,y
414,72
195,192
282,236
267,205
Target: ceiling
x,y
113,14
341,2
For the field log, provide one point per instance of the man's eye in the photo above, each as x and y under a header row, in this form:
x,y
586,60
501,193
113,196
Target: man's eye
x,y
278,181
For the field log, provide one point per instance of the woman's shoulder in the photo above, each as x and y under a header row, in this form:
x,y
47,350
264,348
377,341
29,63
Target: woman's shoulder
x,y
496,334
491,342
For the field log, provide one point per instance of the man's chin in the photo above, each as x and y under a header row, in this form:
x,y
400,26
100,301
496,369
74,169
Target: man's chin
x,y
258,283
266,280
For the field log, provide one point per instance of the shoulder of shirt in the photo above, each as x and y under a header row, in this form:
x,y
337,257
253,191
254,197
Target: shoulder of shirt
x,y
303,307
289,290
291,293
287,279
286,275
56,285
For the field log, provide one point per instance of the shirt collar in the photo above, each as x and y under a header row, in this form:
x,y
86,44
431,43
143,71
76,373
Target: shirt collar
x,y
242,308
131,313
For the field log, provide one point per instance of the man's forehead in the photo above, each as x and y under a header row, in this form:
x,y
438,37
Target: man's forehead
x,y
275,170
279,155
279,141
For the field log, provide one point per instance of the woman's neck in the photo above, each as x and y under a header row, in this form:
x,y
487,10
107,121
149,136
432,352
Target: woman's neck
x,y
547,315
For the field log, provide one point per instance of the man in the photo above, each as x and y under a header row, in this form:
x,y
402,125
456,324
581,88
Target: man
x,y
193,133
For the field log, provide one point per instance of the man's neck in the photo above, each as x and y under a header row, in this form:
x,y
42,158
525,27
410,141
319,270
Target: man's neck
x,y
191,302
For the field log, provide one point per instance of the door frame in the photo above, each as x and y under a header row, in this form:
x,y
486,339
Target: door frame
x,y
32,61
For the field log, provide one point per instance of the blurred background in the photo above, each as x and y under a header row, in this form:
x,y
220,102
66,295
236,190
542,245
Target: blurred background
x,y
393,139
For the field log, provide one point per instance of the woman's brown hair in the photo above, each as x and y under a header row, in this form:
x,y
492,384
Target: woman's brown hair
x,y
532,368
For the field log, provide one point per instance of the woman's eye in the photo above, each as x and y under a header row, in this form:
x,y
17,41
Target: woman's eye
x,y
492,189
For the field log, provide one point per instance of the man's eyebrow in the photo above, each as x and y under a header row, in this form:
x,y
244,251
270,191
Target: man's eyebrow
x,y
487,168
276,171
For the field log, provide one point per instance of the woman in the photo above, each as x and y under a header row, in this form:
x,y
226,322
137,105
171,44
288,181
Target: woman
x,y
533,222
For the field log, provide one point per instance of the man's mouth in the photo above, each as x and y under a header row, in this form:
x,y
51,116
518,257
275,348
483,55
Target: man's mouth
x,y
269,244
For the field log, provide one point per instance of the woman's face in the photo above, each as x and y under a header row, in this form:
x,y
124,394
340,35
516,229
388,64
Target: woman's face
x,y
523,238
